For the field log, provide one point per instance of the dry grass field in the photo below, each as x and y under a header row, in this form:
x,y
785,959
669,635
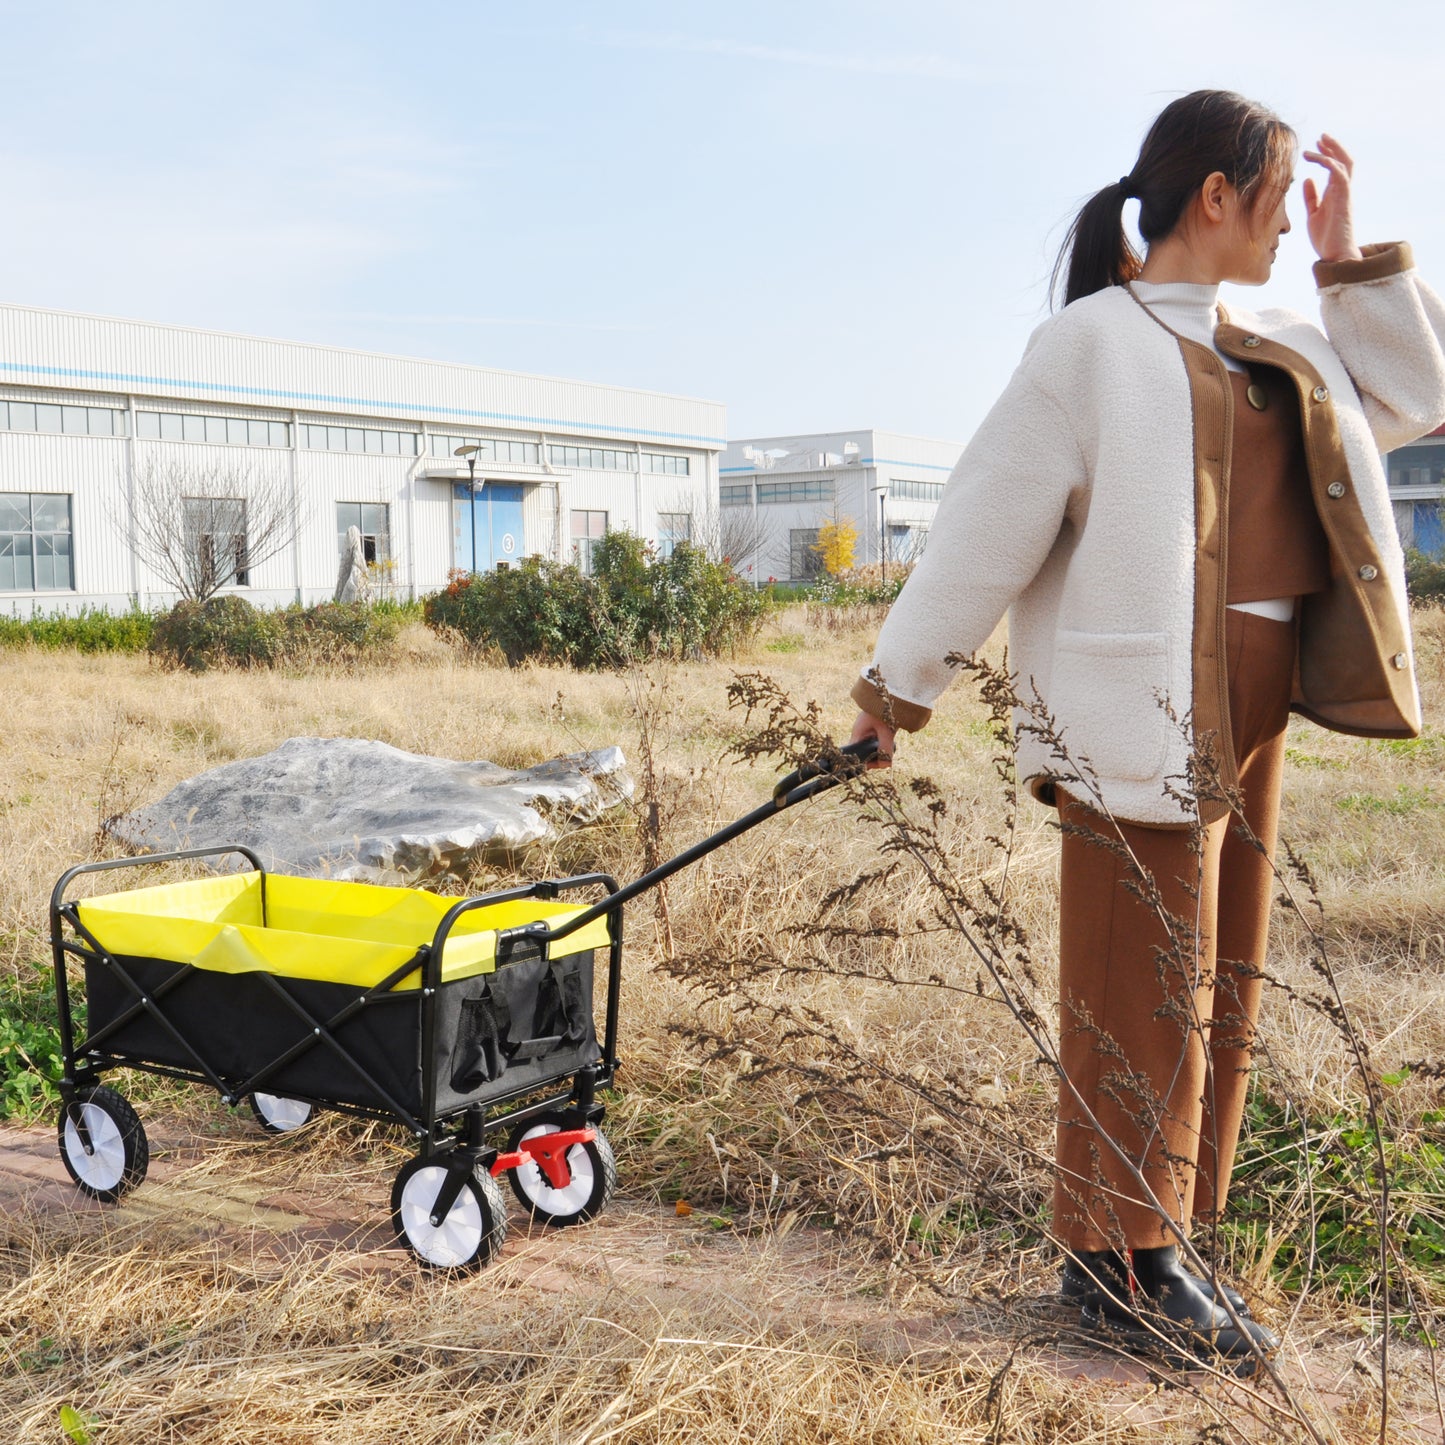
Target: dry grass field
x,y
859,1129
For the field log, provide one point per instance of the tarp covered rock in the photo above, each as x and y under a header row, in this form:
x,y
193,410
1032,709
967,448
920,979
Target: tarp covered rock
x,y
349,808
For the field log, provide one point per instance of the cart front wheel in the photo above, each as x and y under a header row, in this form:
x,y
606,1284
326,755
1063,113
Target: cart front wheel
x,y
472,1231
593,1171
277,1114
114,1155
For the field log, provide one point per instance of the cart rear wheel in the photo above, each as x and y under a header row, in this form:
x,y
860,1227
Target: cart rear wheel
x,y
592,1166
470,1234
118,1155
277,1114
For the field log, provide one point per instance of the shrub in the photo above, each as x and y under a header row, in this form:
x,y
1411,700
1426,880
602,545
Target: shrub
x,y
92,629
1424,576
859,587
229,630
633,605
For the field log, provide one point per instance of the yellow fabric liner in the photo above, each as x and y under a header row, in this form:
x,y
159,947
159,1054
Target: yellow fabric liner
x,y
317,928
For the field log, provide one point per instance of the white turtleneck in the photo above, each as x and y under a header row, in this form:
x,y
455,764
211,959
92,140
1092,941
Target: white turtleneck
x,y
1193,312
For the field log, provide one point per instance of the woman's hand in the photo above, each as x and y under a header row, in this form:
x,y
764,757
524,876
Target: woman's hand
x,y
1331,226
868,726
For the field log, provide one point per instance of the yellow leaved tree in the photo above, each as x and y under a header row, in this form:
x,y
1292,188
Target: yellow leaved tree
x,y
836,545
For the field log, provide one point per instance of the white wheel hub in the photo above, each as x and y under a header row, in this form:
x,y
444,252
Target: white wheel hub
x,y
573,1196
281,1113
456,1240
104,1167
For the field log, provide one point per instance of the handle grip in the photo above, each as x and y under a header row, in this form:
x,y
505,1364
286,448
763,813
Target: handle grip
x,y
825,772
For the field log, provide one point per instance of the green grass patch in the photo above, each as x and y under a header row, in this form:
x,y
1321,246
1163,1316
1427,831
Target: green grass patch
x,y
1305,1197
30,1061
1406,799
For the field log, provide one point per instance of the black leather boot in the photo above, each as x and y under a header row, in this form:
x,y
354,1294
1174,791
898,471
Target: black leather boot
x,y
1076,1283
1158,1301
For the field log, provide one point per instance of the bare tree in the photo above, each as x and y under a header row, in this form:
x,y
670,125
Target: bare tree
x,y
200,528
739,535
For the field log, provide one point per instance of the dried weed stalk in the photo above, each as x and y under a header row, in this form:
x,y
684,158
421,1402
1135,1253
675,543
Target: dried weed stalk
x,y
925,1158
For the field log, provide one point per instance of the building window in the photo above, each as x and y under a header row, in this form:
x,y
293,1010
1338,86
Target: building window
x,y
216,542
598,458
370,519
35,552
672,528
805,562
489,449
378,443
773,492
668,463
588,529
235,431
913,491
738,494
75,421
1417,466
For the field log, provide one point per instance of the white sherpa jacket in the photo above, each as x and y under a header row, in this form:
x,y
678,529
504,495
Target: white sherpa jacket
x,y
1092,506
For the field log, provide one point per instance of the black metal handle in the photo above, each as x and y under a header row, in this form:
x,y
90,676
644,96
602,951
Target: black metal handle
x,y
57,896
825,772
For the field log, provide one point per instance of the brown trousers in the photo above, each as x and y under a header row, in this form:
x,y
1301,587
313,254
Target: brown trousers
x,y
1156,1042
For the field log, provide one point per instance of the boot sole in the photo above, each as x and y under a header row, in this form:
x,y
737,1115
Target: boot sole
x,y
1177,1353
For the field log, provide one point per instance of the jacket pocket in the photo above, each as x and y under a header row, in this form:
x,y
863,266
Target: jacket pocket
x,y
1105,699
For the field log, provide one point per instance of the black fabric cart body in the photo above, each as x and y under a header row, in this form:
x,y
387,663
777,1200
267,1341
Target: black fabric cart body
x,y
453,1018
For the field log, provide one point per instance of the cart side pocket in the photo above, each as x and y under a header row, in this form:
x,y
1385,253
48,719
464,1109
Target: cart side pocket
x,y
528,1023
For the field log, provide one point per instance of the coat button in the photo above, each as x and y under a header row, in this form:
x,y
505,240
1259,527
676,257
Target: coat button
x,y
1336,490
1251,341
1399,660
1321,393
1369,573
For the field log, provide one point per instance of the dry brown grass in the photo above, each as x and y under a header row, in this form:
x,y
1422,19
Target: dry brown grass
x,y
161,1333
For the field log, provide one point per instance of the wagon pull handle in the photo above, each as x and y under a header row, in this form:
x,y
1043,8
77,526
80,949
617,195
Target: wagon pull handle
x,y
826,771
812,778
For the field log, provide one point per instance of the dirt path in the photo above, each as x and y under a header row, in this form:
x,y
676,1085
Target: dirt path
x,y
277,1203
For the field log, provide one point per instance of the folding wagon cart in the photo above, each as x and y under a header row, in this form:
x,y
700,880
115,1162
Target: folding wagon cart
x,y
456,1019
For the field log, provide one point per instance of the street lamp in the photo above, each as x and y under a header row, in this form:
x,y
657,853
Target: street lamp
x,y
883,532
470,453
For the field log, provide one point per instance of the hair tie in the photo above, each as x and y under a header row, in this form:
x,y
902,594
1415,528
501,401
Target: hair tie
x,y
1126,184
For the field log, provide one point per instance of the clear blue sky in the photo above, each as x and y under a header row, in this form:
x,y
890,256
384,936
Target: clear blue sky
x,y
824,215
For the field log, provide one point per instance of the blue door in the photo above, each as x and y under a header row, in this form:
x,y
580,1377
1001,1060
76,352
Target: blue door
x,y
1430,528
486,526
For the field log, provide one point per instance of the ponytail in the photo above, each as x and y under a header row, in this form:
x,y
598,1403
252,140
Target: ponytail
x,y
1193,137
1098,252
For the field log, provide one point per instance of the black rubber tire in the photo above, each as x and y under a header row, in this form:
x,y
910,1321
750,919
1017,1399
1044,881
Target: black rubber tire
x,y
470,1235
120,1154
594,1177
267,1117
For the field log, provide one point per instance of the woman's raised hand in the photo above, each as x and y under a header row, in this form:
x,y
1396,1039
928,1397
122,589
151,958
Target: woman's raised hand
x,y
1331,226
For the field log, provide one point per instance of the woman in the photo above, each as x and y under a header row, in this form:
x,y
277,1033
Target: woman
x,y
1183,511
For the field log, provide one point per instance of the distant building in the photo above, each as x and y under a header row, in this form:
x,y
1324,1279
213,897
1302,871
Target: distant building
x,y
776,493
91,406
1417,491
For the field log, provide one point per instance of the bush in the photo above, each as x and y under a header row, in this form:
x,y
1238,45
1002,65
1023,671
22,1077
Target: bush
x,y
229,630
1424,576
860,587
92,629
633,605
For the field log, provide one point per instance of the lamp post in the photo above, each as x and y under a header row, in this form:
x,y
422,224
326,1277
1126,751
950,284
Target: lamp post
x,y
470,453
883,533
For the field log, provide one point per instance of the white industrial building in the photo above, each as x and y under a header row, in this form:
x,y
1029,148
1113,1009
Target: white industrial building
x,y
776,493
1417,490
97,414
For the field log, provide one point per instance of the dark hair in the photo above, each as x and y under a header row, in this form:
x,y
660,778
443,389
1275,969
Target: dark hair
x,y
1194,136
